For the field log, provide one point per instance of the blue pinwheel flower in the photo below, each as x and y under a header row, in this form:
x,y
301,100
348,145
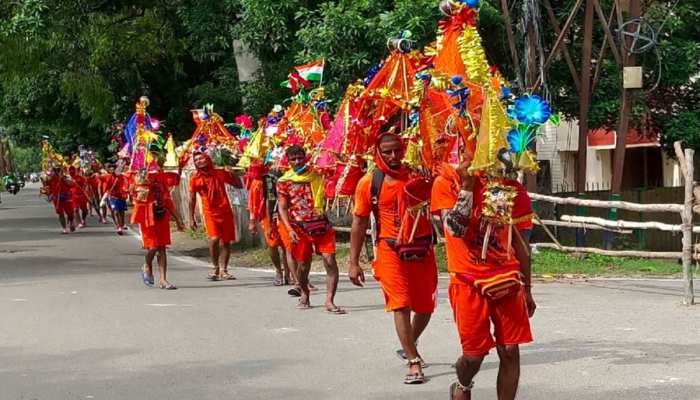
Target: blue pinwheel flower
x,y
530,110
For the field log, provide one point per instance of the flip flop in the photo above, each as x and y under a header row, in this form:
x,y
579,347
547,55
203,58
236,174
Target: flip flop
x,y
147,280
294,292
169,286
337,311
278,282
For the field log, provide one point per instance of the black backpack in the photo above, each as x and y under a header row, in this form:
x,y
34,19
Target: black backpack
x,y
270,191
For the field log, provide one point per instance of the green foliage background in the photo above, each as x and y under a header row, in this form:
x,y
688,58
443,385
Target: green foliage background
x,y
70,68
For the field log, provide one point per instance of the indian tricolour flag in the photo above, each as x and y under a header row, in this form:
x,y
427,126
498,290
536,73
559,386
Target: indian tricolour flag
x,y
312,71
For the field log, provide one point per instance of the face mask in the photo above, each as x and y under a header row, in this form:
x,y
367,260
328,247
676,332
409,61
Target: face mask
x,y
300,170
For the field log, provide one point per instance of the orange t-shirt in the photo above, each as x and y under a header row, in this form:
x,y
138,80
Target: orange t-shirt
x,y
464,254
214,202
115,185
390,208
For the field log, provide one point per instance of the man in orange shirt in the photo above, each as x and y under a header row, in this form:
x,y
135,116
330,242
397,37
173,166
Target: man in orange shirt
x,y
96,194
409,283
115,185
210,184
458,199
58,188
305,226
153,208
79,194
258,207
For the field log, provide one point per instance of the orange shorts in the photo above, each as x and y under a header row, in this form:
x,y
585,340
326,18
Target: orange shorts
x,y
474,315
221,226
272,235
303,250
411,284
64,207
157,235
80,202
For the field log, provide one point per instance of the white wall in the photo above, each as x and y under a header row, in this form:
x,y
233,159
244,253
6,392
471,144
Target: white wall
x,y
671,171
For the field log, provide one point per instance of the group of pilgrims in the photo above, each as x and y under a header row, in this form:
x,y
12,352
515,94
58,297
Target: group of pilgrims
x,y
431,144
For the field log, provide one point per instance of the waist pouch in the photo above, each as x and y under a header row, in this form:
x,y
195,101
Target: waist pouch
x,y
158,211
63,197
414,251
499,286
318,227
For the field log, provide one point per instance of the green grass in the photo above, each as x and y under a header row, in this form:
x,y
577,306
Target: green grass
x,y
554,263
551,263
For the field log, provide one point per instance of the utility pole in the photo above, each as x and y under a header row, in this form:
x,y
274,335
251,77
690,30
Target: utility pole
x,y
629,60
584,106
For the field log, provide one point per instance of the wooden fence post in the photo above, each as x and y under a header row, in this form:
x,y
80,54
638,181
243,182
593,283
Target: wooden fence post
x,y
687,221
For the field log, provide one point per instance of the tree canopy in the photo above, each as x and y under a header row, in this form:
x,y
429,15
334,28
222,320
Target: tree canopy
x,y
70,69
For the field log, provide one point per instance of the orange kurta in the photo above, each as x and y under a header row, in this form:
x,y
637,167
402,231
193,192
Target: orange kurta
x,y
473,314
218,215
411,284
59,188
79,191
155,232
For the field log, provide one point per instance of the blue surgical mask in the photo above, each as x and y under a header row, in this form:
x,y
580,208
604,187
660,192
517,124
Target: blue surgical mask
x,y
300,170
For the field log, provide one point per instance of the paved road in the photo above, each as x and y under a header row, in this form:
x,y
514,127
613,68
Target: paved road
x,y
76,323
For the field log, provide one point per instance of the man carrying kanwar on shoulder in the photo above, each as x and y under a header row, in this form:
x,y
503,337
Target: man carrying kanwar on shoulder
x,y
404,268
305,228
115,187
80,195
210,184
153,208
265,213
489,264
59,189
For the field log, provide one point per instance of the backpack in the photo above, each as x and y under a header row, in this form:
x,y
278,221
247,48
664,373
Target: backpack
x,y
270,192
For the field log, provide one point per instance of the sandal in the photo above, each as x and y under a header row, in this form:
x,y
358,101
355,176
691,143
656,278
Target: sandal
x,y
278,281
415,378
294,292
225,276
213,274
168,286
336,311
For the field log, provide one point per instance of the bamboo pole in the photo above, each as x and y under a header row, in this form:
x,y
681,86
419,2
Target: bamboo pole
x,y
687,219
582,225
620,224
616,253
624,205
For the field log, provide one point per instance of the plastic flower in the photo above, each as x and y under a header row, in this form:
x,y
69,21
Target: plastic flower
x,y
520,139
530,110
245,121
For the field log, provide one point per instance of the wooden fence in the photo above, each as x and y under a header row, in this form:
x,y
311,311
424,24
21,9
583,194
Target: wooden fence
x,y
600,223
